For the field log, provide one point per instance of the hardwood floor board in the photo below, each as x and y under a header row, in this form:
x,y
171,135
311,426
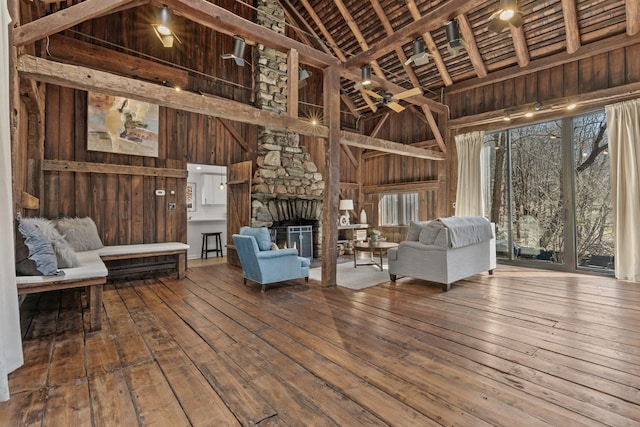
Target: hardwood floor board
x,y
68,405
429,333
101,351
522,347
33,374
622,377
599,406
45,323
130,345
154,400
592,344
364,371
111,400
495,400
67,363
23,408
189,386
247,405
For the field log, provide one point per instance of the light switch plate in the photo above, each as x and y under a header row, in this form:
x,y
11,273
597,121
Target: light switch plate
x,y
159,192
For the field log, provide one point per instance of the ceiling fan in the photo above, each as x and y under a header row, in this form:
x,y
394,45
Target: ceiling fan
x,y
507,13
389,100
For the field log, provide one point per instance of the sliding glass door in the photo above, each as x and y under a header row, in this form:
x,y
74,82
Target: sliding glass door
x,y
547,189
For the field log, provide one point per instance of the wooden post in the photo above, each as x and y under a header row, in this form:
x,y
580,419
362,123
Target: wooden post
x,y
331,91
292,83
14,103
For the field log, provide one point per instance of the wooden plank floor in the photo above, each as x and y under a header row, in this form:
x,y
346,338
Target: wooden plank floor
x,y
520,348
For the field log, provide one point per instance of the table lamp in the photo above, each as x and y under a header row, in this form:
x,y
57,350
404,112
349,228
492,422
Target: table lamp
x,y
345,205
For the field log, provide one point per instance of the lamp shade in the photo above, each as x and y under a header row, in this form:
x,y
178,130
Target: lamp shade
x,y
346,205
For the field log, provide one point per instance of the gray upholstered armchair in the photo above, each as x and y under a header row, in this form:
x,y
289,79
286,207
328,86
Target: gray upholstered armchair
x,y
263,265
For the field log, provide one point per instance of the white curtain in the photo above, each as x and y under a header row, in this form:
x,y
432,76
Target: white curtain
x,y
10,343
623,127
469,200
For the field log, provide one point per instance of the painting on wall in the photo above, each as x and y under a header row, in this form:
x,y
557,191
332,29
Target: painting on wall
x,y
122,125
191,197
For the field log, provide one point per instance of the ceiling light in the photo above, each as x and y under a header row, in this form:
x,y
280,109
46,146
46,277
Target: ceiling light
x,y
528,114
571,106
507,118
366,75
238,51
420,56
162,27
455,43
507,13
508,9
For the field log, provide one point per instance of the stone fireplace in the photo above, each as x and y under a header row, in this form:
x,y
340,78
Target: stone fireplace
x,y
287,187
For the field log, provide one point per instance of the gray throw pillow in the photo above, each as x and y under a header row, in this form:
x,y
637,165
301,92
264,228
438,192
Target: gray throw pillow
x,y
34,254
65,254
430,232
415,227
81,233
261,234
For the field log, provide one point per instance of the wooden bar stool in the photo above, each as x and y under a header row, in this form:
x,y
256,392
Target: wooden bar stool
x,y
205,245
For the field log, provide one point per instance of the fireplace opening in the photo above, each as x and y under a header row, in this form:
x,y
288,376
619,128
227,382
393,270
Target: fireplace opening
x,y
303,234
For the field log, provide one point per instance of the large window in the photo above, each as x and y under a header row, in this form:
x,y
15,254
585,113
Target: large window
x,y
398,209
548,192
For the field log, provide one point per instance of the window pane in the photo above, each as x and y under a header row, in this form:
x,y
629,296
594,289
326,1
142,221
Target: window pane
x,y
398,209
594,213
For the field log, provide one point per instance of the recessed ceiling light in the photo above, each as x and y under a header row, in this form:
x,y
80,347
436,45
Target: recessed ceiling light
x,y
528,114
507,118
571,106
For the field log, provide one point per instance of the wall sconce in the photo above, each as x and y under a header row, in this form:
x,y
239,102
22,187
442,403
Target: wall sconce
x,y
346,205
238,51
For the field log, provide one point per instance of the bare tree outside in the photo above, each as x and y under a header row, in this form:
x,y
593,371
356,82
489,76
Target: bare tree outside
x,y
537,198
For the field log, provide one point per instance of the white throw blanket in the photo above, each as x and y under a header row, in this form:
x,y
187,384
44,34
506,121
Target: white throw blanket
x,y
467,230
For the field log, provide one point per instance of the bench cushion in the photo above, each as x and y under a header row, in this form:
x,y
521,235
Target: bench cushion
x,y
146,248
91,266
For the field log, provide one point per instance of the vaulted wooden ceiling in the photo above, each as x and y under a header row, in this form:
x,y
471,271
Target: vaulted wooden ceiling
x,y
354,30
349,27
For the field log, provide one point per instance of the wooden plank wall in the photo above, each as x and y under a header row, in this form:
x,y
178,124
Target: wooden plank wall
x,y
125,207
603,71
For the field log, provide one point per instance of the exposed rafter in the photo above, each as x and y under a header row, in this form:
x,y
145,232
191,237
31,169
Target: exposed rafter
x,y
571,25
633,17
364,141
520,45
431,45
472,47
430,21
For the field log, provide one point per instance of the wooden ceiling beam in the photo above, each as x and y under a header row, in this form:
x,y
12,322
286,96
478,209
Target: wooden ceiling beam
x,y
557,106
66,18
632,9
422,144
77,52
472,47
431,45
520,45
88,79
585,51
376,130
350,105
571,25
364,141
222,20
433,19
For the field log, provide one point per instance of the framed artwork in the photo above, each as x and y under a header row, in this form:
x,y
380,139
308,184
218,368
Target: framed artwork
x,y
191,197
116,124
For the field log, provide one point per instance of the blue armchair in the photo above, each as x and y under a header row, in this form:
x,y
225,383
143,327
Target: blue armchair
x,y
263,265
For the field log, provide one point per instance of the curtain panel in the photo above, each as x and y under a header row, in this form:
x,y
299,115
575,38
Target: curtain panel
x,y
469,199
623,127
10,341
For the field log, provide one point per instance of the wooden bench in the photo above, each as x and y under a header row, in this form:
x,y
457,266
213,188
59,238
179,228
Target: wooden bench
x,y
92,272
